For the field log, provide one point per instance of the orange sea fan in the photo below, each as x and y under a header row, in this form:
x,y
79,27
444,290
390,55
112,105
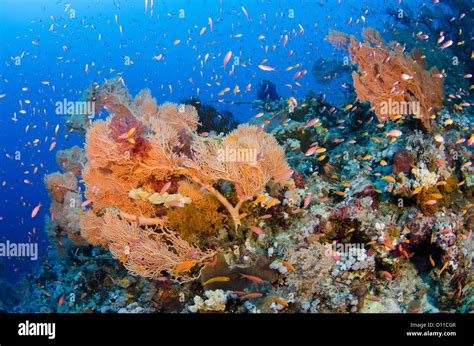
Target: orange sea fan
x,y
388,75
151,252
91,225
179,116
145,105
163,158
338,39
246,157
100,149
107,189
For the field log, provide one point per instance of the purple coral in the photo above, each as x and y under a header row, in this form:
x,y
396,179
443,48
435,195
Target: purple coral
x,y
403,161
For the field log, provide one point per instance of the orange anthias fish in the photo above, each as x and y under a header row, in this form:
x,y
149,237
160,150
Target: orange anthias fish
x,y
35,210
287,265
280,301
256,230
227,58
251,296
184,266
307,200
216,279
253,278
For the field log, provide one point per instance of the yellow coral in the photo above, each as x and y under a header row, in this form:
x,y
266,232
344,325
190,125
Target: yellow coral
x,y
201,218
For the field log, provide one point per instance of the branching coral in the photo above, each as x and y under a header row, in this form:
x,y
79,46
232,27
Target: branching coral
x,y
388,75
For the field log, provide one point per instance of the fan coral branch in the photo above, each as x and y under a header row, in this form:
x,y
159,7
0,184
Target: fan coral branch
x,y
151,252
387,75
247,158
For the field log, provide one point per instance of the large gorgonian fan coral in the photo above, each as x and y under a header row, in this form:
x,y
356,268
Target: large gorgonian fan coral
x,y
388,75
247,158
151,251
140,158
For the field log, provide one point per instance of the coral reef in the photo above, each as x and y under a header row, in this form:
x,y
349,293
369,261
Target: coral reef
x,y
311,207
146,169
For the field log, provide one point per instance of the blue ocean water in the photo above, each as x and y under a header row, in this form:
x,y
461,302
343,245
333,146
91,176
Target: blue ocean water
x,y
53,50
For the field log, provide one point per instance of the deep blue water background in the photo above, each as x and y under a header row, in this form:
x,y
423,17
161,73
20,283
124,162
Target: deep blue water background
x,y
145,34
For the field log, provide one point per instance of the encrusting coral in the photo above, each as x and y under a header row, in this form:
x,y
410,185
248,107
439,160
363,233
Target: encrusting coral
x,y
388,75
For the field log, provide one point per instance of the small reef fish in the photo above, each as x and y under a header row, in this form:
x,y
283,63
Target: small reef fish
x,y
266,68
216,279
280,301
311,122
256,230
284,176
394,133
251,296
227,58
447,44
432,262
165,187
389,179
386,275
287,265
443,268
184,266
253,278
35,210
307,200
86,203
310,151
271,203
